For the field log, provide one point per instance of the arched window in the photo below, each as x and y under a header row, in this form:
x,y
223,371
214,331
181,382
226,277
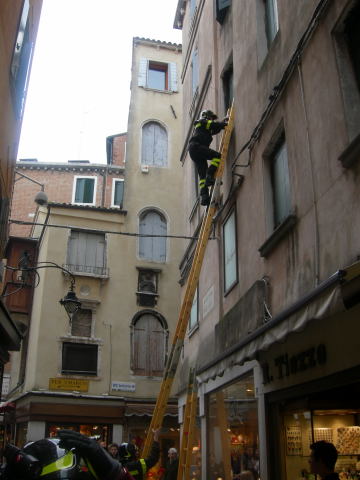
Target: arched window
x,y
154,145
152,248
148,345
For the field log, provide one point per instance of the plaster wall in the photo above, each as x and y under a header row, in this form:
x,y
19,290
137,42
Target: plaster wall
x,y
311,110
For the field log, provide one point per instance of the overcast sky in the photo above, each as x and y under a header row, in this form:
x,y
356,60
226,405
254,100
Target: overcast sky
x,y
79,88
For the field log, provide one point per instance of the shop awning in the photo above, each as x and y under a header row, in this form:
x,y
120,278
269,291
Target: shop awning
x,y
140,410
10,335
7,407
327,299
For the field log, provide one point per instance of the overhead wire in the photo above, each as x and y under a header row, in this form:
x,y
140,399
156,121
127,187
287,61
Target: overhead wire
x,y
277,90
94,230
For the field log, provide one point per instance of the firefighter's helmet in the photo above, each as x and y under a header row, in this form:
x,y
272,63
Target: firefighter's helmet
x,y
209,115
127,452
43,459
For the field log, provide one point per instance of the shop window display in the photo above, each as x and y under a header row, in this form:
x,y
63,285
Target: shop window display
x,y
233,432
340,427
99,431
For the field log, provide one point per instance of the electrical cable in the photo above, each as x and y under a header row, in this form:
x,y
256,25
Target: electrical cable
x,y
81,229
278,89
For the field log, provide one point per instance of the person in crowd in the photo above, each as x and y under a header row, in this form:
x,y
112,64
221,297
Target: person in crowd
x,y
72,456
137,467
102,443
113,449
323,459
172,465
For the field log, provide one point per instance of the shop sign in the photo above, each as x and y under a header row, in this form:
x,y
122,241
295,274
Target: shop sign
x,y
123,386
286,365
71,384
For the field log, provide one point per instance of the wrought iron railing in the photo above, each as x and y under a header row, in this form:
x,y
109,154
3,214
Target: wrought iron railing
x,y
87,269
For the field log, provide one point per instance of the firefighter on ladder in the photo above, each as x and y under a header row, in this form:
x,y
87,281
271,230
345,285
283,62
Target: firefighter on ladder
x,y
204,129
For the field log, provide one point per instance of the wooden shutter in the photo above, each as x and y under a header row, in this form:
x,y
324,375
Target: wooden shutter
x,y
87,250
140,346
143,68
118,193
156,343
148,346
153,248
154,145
173,83
160,145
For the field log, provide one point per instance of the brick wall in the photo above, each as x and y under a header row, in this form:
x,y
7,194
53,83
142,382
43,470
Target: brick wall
x,y
58,184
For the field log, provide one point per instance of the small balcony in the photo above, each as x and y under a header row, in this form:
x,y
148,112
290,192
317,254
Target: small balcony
x,y
87,270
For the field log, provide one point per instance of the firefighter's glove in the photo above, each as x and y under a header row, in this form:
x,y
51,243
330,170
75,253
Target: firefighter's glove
x,y
97,459
19,464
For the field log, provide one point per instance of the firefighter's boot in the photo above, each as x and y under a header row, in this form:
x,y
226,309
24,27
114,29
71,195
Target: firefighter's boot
x,y
211,172
204,192
204,196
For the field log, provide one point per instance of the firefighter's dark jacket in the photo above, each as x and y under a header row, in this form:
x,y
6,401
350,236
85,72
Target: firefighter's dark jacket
x,y
204,131
138,468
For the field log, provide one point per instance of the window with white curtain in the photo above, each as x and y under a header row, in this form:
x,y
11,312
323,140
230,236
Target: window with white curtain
x,y
152,248
230,253
154,149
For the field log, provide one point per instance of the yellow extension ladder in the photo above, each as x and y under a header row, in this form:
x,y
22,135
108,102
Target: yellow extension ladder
x,y
188,428
178,339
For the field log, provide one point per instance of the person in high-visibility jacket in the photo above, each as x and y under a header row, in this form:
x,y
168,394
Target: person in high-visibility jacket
x,y
137,467
71,456
200,152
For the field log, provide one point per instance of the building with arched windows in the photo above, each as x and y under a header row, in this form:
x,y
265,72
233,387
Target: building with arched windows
x,y
118,230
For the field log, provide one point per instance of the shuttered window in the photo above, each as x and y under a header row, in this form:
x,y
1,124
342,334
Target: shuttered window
x,y
194,313
79,359
86,253
157,75
81,323
148,346
230,254
154,145
84,190
118,192
222,7
195,71
20,64
271,20
152,248
280,183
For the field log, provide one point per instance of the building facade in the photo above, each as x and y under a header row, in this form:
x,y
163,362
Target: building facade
x,y
19,22
111,226
273,331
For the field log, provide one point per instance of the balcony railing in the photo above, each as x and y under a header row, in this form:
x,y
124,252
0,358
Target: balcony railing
x,y
87,270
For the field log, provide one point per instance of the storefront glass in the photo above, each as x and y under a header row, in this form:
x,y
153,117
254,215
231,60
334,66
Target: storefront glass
x,y
340,427
21,434
233,441
99,431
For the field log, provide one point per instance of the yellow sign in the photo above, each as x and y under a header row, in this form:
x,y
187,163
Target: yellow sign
x,y
68,384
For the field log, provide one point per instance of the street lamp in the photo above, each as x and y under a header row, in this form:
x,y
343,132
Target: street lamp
x,y
70,302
